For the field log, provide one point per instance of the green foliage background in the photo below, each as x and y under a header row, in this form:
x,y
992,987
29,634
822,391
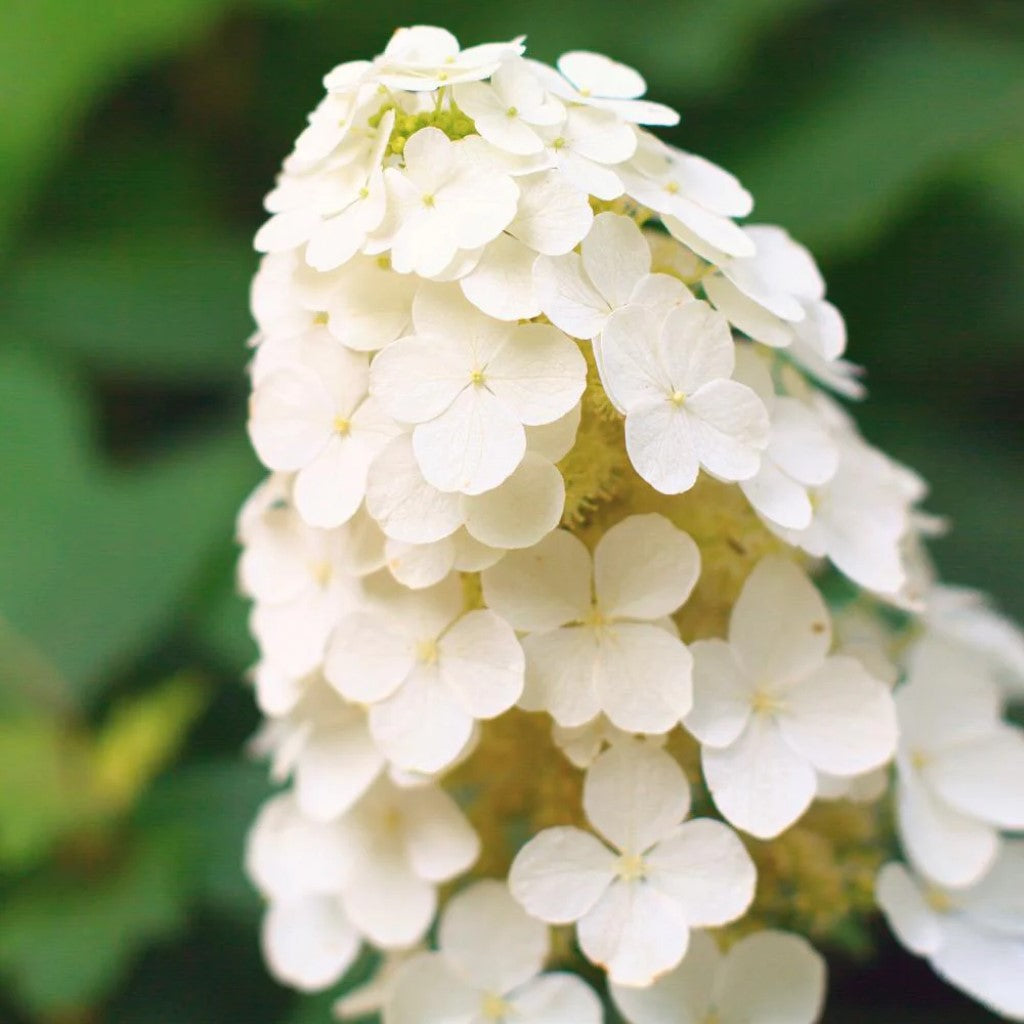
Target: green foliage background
x,y
135,143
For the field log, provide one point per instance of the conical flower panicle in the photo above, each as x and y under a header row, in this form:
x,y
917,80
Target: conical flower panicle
x,y
580,599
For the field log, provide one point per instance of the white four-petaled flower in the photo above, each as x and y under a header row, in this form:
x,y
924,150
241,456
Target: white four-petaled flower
x,y
636,899
597,634
771,707
683,412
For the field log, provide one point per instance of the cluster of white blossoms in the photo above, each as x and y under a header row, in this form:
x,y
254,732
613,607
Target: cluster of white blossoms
x,y
602,663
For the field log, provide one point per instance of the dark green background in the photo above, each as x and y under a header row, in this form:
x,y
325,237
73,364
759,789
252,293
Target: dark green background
x,y
136,140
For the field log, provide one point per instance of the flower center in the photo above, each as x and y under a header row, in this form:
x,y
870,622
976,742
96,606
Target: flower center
x,y
477,378
764,703
631,867
672,187
321,573
494,1007
342,426
595,618
426,652
677,398
512,112
938,900
428,199
559,143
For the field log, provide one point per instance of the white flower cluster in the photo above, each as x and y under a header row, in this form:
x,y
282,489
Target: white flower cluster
x,y
549,447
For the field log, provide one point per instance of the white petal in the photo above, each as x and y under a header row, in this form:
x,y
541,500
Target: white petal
x,y
388,903
683,996
615,257
368,657
950,848
914,922
555,440
403,503
729,427
372,306
553,217
337,765
428,990
539,374
560,874
560,670
502,283
644,568
567,297
482,663
421,727
541,587
330,488
660,443
745,314
521,511
841,718
778,497
631,368
696,347
290,419
420,565
759,783
780,628
800,443
705,868
556,998
418,378
635,794
309,944
643,676
439,841
488,936
984,779
722,694
635,931
772,978
472,446
988,967
595,74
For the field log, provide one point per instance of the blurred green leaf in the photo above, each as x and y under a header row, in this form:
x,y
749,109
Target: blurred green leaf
x,y
843,168
208,808
55,55
96,558
63,943
41,768
165,306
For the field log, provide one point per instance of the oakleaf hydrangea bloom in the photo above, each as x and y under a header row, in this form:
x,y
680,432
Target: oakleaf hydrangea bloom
x,y
601,658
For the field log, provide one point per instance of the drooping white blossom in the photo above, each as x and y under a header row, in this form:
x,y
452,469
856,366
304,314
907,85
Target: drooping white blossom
x,y
597,635
771,707
696,198
427,672
960,776
635,900
800,453
683,412
768,977
487,968
592,79
471,385
973,938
